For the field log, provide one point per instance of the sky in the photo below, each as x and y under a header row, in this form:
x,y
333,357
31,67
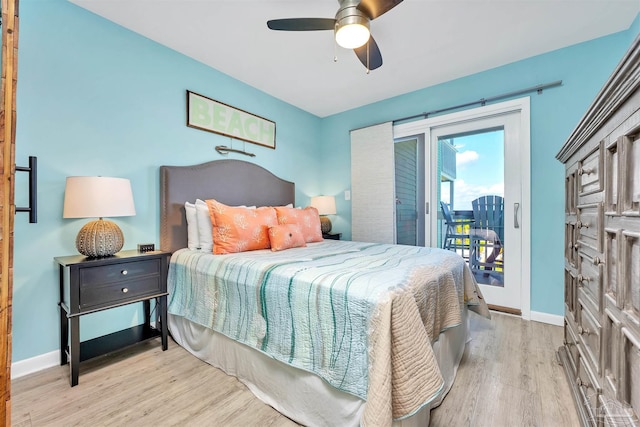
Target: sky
x,y
479,168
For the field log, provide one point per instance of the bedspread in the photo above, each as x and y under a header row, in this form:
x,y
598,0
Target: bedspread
x,y
361,316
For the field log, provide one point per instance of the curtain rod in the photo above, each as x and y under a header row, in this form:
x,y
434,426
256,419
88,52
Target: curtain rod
x,y
483,101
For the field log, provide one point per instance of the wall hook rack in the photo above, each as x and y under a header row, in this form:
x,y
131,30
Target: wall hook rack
x,y
222,149
32,169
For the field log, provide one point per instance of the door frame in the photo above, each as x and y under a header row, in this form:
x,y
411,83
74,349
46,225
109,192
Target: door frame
x,y
522,107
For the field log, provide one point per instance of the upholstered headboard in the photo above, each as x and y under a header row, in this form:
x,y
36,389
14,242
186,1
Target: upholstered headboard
x,y
232,182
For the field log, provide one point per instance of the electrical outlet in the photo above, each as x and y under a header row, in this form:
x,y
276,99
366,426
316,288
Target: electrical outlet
x,y
347,195
146,247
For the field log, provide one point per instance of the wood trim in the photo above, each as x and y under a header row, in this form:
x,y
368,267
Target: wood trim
x,y
7,204
502,309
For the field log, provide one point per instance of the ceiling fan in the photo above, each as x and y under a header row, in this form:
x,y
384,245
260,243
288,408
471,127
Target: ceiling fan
x,y
351,27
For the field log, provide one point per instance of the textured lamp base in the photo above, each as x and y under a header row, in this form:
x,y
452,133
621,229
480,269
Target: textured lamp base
x,y
99,238
325,225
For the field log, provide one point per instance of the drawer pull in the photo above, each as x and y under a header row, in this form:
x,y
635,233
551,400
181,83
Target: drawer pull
x,y
581,224
597,261
575,247
124,272
582,278
579,382
125,290
585,171
583,331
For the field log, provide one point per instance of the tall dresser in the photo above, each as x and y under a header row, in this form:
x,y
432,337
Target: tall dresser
x,y
601,351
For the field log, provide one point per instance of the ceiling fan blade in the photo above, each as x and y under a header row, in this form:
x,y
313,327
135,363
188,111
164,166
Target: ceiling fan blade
x,y
302,24
375,8
375,57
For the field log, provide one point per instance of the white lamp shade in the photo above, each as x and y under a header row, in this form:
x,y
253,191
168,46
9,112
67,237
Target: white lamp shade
x,y
97,197
326,205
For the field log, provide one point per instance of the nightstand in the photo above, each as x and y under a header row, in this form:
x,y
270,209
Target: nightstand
x,y
88,285
332,236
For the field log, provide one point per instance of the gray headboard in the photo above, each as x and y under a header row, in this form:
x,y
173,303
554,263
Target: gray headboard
x,y
232,182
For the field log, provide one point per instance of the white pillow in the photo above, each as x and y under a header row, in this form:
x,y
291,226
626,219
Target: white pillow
x,y
193,239
205,229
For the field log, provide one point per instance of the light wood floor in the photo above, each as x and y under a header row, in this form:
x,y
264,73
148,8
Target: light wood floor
x,y
509,376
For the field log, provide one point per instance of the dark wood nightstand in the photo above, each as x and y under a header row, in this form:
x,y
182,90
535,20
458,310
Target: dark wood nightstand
x,y
88,285
332,236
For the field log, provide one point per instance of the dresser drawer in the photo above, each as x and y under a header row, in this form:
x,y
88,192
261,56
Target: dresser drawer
x,y
571,344
589,277
92,297
590,226
590,391
590,172
590,333
117,272
570,291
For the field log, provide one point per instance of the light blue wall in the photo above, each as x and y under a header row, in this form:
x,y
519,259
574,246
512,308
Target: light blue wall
x,y
583,69
96,99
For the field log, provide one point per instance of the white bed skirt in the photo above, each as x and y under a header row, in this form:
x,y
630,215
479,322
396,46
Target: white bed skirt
x,y
298,394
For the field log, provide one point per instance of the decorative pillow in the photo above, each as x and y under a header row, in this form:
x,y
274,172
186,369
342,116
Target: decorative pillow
x,y
205,230
240,229
286,236
307,218
193,239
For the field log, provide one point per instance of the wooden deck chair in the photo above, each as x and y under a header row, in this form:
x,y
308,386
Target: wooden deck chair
x,y
487,233
455,239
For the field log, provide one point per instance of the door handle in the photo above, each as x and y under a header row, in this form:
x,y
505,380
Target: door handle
x,y
516,206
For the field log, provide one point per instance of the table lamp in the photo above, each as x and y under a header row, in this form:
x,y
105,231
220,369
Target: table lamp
x,y
326,205
98,197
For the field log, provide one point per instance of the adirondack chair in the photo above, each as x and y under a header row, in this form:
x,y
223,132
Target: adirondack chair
x,y
455,237
487,233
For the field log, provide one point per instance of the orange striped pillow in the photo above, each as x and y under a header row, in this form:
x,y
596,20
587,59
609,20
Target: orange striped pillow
x,y
286,236
307,218
240,229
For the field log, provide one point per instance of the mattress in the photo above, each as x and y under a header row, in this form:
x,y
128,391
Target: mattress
x,y
364,319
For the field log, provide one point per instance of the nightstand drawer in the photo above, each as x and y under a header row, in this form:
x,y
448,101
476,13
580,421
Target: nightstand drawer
x,y
92,297
117,272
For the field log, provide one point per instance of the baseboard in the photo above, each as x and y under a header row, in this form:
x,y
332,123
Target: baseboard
x,y
38,363
35,364
552,319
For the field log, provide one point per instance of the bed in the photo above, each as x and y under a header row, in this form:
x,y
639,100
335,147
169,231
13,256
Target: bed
x,y
334,333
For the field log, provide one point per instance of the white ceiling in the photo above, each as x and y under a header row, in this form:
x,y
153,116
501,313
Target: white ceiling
x,y
423,42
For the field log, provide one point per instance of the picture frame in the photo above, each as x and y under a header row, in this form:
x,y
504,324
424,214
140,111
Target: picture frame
x,y
214,116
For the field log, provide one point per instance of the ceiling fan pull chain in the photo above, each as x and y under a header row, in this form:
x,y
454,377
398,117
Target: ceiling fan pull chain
x,y
335,44
368,56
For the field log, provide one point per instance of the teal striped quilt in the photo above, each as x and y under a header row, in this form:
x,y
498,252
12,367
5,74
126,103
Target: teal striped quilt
x,y
362,316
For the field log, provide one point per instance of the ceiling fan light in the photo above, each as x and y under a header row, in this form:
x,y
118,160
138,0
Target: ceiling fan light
x,y
352,31
352,36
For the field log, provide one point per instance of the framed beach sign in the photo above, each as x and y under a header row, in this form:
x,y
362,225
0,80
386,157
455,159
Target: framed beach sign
x,y
214,116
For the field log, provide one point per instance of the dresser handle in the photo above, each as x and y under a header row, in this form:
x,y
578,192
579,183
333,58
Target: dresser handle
x,y
583,331
125,290
581,224
575,247
579,382
585,171
597,261
582,278
124,272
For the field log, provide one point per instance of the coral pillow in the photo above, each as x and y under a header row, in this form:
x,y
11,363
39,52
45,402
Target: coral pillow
x,y
307,218
240,229
286,236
